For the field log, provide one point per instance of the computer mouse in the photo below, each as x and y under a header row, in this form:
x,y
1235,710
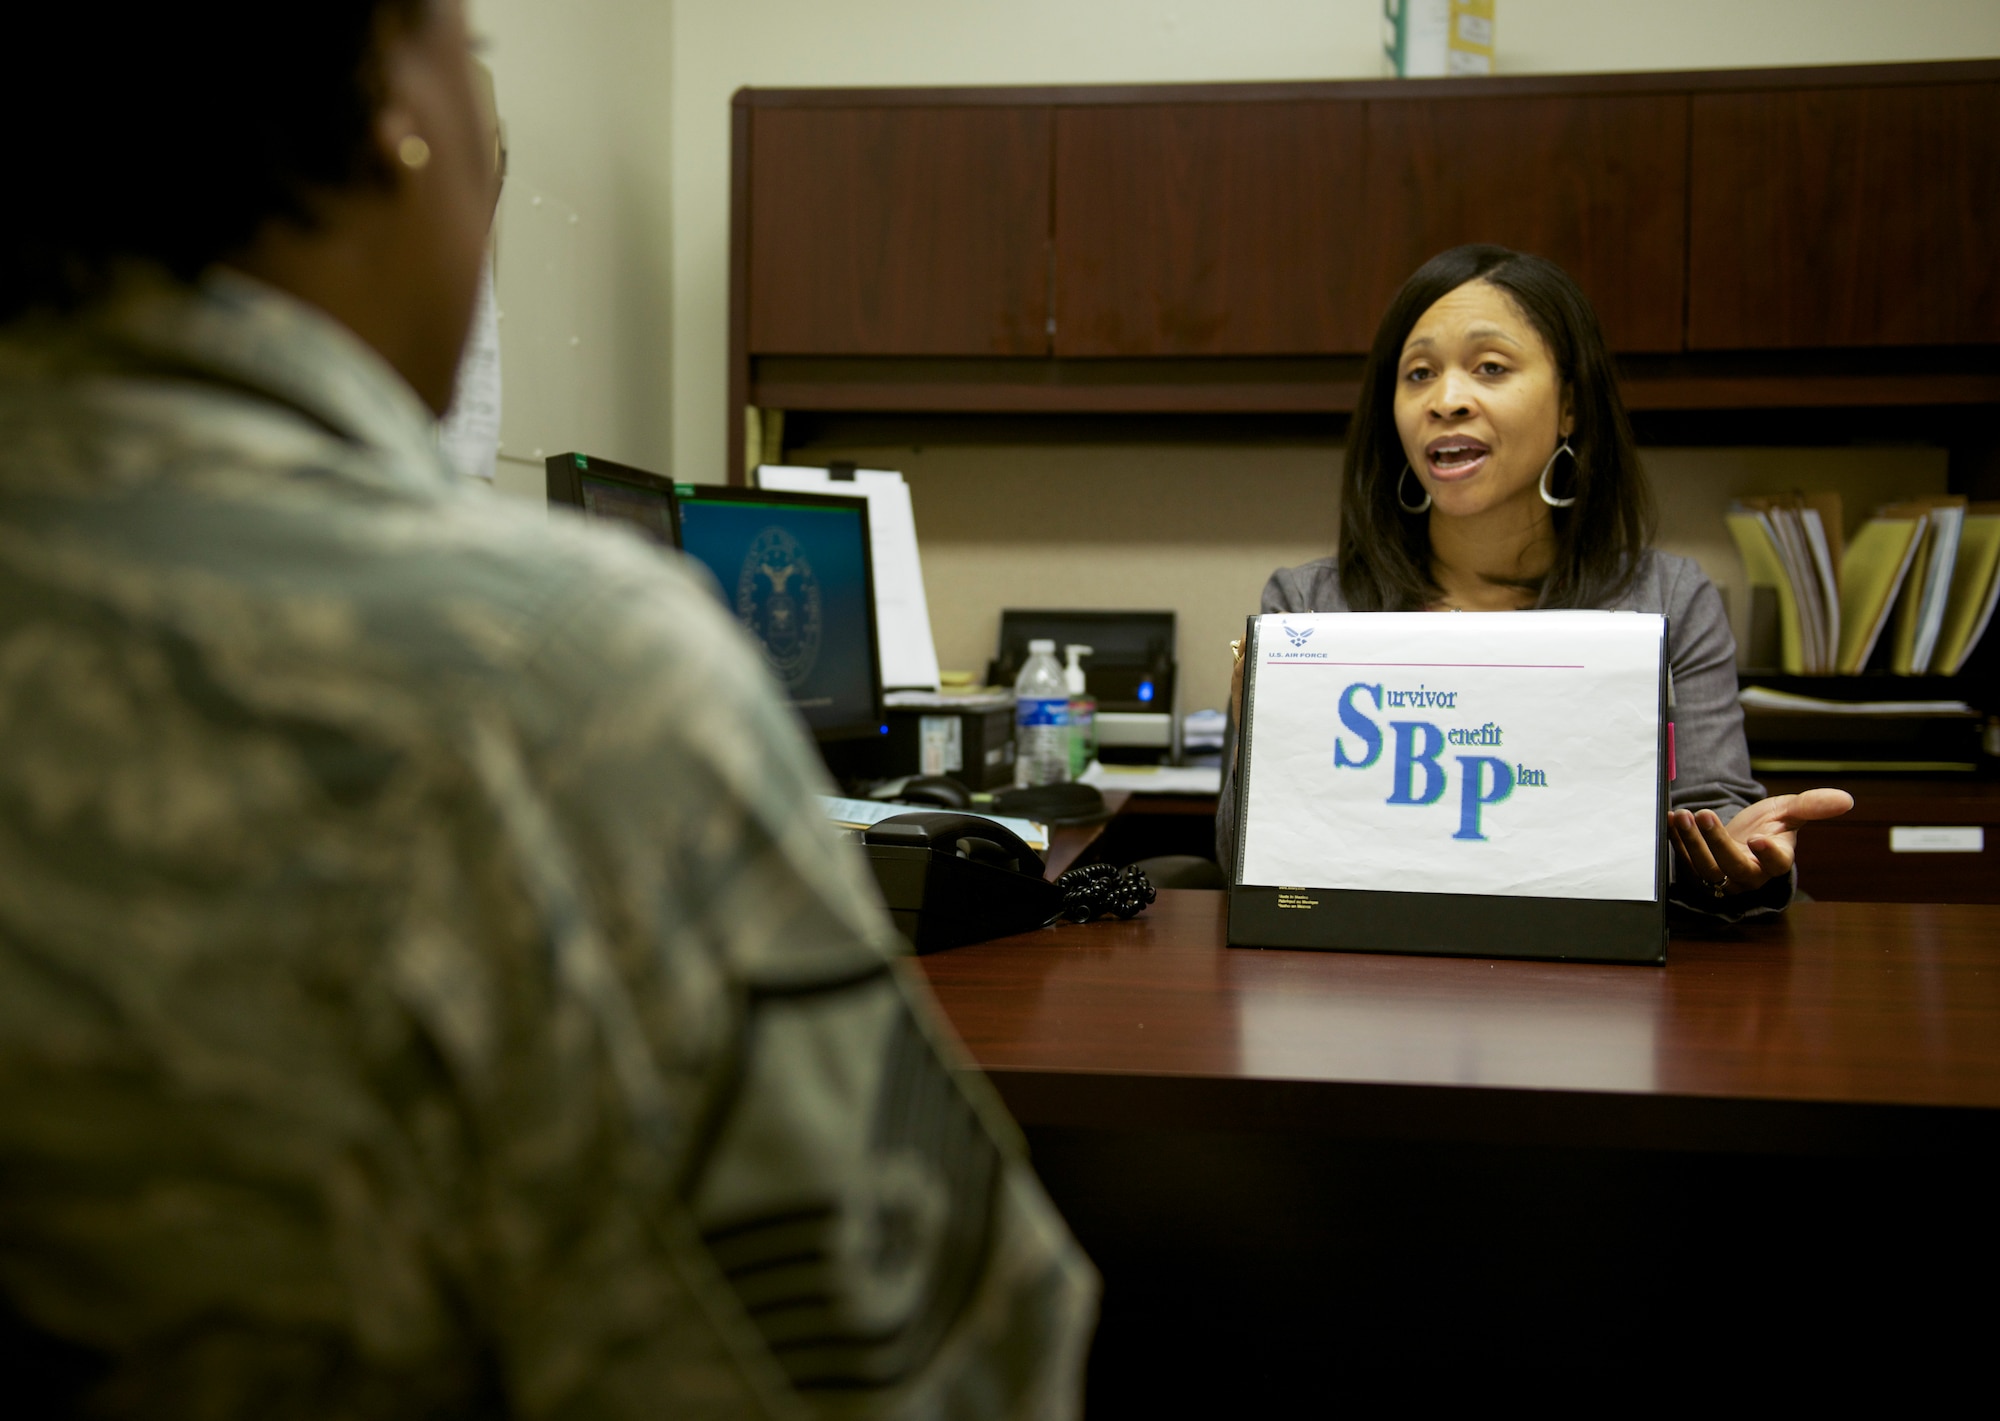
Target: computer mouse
x,y
940,790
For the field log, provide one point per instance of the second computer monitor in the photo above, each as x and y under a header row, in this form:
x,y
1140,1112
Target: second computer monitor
x,y
795,570
603,489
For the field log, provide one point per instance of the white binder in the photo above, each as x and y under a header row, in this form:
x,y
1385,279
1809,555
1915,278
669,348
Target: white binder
x,y
1489,785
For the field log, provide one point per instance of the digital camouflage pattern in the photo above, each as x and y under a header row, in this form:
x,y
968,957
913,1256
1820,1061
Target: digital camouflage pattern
x,y
426,984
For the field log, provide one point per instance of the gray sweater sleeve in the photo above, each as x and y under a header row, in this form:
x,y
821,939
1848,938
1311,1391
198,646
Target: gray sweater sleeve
x,y
1711,756
1712,759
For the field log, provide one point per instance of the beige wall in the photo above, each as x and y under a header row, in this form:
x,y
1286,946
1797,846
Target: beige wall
x,y
1190,526
584,234
618,112
1198,526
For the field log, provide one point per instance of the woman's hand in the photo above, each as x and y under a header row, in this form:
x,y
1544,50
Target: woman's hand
x,y
1758,845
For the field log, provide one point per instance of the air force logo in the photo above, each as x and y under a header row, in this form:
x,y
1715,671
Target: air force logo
x,y
777,598
1299,638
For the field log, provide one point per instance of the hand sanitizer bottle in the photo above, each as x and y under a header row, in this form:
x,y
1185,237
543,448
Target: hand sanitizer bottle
x,y
1041,718
1082,712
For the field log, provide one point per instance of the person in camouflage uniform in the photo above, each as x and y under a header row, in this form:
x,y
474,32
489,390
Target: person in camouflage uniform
x,y
427,984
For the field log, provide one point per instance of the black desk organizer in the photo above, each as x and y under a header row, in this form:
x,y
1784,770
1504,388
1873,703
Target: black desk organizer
x,y
1876,744
1446,924
1890,742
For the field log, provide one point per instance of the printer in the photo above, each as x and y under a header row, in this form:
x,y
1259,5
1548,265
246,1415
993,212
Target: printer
x,y
1131,673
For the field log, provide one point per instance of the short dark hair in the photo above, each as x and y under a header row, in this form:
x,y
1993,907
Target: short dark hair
x,y
169,134
1385,562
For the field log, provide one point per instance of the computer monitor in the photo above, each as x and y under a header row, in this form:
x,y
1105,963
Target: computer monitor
x,y
603,489
795,570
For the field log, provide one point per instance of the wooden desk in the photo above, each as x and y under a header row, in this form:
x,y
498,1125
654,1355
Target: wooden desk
x,y
1289,1162
1849,858
1842,1026
1137,827
1068,842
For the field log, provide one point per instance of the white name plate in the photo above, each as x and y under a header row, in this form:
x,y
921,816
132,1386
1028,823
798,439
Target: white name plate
x,y
1511,754
1937,839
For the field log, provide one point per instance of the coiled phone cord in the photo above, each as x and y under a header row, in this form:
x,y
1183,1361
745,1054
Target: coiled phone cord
x,y
1099,890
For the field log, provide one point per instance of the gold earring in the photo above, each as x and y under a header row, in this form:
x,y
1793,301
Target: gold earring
x,y
413,153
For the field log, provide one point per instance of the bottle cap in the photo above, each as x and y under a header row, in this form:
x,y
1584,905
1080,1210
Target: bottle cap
x,y
1042,646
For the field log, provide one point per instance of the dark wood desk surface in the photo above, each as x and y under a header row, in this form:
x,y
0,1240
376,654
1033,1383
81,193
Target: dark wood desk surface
x,y
1842,1027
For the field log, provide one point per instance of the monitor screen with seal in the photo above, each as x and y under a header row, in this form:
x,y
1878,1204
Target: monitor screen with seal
x,y
794,569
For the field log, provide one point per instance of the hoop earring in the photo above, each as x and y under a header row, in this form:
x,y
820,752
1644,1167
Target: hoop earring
x,y
1542,486
1407,507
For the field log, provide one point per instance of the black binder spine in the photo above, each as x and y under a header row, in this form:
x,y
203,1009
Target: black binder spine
x,y
1250,630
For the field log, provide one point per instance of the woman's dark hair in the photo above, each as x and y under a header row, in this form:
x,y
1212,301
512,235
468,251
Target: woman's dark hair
x,y
1385,553
169,134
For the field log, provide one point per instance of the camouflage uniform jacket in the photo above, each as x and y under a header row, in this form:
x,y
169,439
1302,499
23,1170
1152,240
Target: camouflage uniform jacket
x,y
427,985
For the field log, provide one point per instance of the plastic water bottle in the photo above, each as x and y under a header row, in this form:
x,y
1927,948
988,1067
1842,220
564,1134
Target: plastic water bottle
x,y
1041,718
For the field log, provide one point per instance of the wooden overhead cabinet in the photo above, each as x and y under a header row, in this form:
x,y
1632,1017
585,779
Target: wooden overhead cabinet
x,y
1751,239
899,230
1275,229
1863,216
1597,183
1208,229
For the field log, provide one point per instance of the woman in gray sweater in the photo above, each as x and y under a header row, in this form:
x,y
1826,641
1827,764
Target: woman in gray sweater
x,y
1490,467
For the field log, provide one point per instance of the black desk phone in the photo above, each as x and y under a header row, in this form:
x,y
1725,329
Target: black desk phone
x,y
956,878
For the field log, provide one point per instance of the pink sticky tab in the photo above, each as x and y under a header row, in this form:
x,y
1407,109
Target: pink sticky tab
x,y
1673,771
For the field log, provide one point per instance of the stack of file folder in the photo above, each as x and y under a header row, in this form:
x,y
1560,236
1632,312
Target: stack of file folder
x,y
1912,594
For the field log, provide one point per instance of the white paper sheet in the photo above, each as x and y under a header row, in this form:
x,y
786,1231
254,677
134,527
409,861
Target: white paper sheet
x,y
1495,753
902,613
469,433
860,813
1154,779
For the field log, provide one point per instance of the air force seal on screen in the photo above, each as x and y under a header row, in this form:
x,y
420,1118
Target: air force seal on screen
x,y
777,597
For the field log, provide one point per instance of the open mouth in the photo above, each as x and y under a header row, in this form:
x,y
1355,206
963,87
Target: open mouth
x,y
1455,456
